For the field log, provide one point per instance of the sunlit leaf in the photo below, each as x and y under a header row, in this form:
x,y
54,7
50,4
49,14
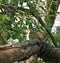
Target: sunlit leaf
x,y
1,16
7,17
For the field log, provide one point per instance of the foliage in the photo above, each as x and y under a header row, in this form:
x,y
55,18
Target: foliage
x,y
57,37
15,17
15,22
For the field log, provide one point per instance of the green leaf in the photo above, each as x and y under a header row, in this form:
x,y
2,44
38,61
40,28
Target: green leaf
x,y
4,1
1,22
32,8
49,10
54,2
15,2
21,2
0,1
1,16
46,18
1,19
6,17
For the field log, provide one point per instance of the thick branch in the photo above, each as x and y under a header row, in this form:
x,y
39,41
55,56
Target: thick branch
x,y
29,48
12,54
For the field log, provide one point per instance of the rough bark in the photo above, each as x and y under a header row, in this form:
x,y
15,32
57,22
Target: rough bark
x,y
29,48
24,51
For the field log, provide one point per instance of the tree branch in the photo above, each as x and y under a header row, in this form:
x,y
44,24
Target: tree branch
x,y
29,48
24,51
